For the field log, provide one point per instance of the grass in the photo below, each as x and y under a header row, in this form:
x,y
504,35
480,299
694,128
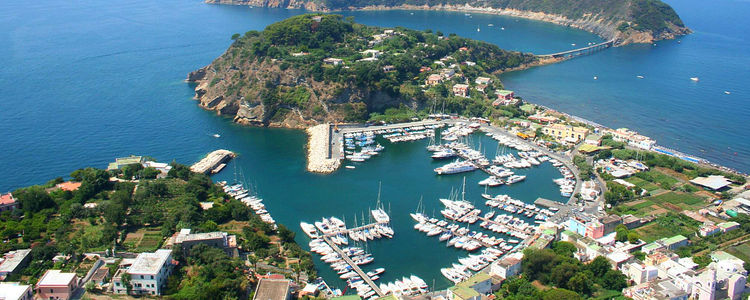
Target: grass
x,y
678,198
741,251
643,184
143,240
667,226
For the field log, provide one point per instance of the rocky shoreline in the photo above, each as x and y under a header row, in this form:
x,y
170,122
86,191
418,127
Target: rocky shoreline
x,y
606,29
317,150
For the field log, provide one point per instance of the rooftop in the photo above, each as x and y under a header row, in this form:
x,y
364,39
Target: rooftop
x,y
272,289
503,92
7,199
464,292
56,278
69,186
714,182
476,278
200,236
349,297
150,263
13,259
719,255
728,224
13,290
673,240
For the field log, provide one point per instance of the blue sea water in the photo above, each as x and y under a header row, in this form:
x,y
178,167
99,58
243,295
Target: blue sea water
x,y
86,81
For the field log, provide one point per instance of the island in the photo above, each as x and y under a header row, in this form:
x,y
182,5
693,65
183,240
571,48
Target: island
x,y
625,22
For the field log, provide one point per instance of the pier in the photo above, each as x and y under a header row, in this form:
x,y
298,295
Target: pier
x,y
580,51
354,266
548,203
348,230
213,162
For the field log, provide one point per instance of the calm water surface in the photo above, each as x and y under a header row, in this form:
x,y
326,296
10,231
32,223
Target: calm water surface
x,y
84,82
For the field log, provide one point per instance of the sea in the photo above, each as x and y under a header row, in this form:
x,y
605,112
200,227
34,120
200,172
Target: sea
x,y
86,81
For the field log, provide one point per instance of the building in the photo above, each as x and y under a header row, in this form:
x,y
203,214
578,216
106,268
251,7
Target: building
x,y
728,226
708,229
566,133
640,273
273,289
333,61
217,239
434,79
505,95
389,68
447,73
461,90
675,242
148,273
610,222
483,80
371,53
15,291
714,182
8,202
125,161
509,266
69,186
585,225
473,288
55,284
14,261
632,138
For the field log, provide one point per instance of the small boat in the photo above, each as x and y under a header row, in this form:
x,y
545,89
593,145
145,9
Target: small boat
x,y
640,76
727,92
350,167
573,44
478,29
595,78
490,25
502,28
216,135
694,78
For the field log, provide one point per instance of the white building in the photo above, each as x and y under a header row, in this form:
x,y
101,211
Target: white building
x,y
507,267
15,291
148,273
641,273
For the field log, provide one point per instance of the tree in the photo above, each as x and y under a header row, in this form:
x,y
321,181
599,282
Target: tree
x,y
235,37
614,280
561,294
633,237
564,248
562,273
580,283
599,266
34,199
125,278
622,233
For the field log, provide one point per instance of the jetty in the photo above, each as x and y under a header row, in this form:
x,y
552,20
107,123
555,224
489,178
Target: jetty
x,y
580,51
319,150
213,162
548,203
354,266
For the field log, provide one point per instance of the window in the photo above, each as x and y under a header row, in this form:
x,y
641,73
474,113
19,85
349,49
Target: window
x,y
152,276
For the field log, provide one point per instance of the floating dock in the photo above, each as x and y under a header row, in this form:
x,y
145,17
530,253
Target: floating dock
x,y
213,162
354,266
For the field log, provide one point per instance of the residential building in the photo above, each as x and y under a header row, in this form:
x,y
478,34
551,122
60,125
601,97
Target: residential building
x,y
389,68
15,291
8,202
185,239
507,267
461,90
463,293
447,73
148,273
585,225
434,79
728,226
69,186
273,289
632,138
333,61
640,273
566,133
55,284
473,288
610,222
14,261
483,80
371,53
708,229
505,95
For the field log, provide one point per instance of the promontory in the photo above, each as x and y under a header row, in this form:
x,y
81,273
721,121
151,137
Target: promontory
x,y
625,21
320,68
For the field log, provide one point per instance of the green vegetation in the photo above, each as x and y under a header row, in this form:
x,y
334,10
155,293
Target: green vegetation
x,y
584,167
138,216
557,267
284,66
668,225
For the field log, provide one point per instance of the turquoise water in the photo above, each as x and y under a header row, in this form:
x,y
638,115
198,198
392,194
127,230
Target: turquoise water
x,y
85,82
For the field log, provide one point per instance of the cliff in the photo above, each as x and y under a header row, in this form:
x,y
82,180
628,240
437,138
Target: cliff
x,y
628,21
312,69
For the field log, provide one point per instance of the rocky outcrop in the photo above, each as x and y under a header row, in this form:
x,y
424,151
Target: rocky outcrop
x,y
606,27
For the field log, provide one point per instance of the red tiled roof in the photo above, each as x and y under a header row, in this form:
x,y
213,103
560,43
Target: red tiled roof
x,y
6,199
69,186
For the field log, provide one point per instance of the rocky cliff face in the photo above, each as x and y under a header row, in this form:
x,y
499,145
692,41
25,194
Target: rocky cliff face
x,y
235,88
604,26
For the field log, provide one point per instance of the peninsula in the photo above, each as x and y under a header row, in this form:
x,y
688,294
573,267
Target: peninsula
x,y
313,68
629,21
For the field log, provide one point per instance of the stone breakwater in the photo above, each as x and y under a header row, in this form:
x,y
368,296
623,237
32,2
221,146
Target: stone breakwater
x,y
317,150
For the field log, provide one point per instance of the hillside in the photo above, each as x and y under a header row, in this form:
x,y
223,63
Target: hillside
x,y
321,68
629,21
